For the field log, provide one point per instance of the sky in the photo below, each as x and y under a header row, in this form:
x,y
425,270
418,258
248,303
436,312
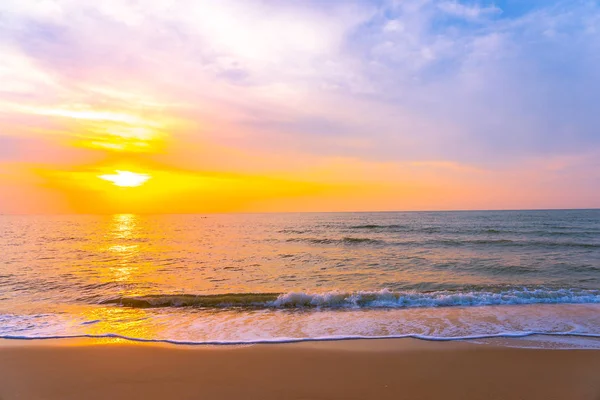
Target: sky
x,y
162,106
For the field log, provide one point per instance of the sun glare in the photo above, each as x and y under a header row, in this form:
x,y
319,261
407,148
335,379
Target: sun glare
x,y
126,179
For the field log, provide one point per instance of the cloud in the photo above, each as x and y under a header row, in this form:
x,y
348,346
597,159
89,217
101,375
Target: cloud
x,y
470,12
411,81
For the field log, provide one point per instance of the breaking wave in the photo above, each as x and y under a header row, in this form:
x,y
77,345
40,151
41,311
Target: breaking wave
x,y
365,299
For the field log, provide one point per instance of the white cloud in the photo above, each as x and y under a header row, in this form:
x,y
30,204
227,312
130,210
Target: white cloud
x,y
471,12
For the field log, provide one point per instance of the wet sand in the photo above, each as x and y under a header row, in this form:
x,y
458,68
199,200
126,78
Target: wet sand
x,y
362,369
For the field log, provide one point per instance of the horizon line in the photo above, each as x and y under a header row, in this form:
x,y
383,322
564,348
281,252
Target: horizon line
x,y
306,212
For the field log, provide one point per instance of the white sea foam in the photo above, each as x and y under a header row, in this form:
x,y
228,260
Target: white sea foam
x,y
388,299
577,325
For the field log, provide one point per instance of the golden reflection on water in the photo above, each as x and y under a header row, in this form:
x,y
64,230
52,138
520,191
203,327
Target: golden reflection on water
x,y
123,249
123,229
124,225
124,321
121,244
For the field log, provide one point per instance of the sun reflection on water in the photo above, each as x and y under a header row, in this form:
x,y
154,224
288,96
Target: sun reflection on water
x,y
124,225
124,228
123,321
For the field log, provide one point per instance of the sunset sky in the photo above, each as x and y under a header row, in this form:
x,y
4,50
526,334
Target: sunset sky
x,y
160,106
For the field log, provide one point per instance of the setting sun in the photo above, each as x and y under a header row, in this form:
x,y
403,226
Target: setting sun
x,y
126,179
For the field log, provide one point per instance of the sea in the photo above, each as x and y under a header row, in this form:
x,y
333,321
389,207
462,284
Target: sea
x,y
519,278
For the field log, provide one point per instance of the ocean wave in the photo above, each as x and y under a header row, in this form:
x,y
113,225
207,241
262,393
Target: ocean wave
x,y
342,241
532,243
462,231
448,242
248,300
504,243
365,299
382,227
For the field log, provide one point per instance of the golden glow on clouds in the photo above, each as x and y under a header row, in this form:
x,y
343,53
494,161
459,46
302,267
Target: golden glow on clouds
x,y
120,138
126,178
135,128
95,115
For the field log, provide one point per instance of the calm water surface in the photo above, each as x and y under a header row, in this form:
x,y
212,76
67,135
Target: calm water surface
x,y
273,277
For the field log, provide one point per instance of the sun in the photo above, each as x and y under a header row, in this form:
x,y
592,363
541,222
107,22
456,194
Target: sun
x,y
126,178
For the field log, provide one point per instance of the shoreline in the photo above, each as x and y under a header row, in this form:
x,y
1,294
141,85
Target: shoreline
x,y
507,338
342,369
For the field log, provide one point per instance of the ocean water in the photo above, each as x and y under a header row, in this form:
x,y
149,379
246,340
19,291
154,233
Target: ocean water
x,y
287,277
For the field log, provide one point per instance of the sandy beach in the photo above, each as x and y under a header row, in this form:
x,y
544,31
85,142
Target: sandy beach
x,y
364,369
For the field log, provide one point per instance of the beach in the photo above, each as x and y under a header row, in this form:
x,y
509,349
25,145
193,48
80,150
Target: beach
x,y
354,369
305,200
